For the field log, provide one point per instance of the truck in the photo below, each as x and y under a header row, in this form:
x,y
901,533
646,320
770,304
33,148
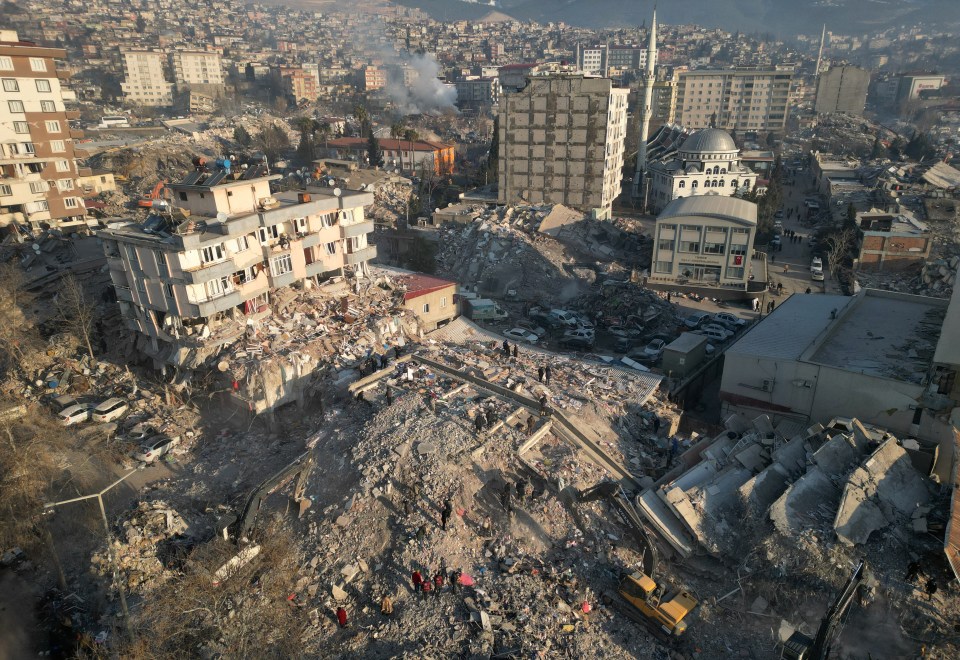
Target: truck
x,y
483,309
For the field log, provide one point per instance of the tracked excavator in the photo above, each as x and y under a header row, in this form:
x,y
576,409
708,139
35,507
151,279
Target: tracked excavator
x,y
638,596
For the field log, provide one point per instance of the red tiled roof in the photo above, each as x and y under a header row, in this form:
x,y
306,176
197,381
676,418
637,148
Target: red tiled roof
x,y
421,285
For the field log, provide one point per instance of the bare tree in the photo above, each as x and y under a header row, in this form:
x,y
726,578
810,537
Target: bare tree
x,y
838,245
244,615
77,310
18,335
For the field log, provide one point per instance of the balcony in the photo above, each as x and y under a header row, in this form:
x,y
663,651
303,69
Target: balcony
x,y
73,114
76,134
220,304
360,256
359,229
211,271
124,294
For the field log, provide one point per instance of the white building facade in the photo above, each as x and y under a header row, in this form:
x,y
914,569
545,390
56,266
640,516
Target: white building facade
x,y
144,79
707,163
705,241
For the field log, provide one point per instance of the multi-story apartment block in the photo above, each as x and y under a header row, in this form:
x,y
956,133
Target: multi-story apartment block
x,y
227,247
38,166
298,83
477,92
144,80
561,142
374,77
742,99
197,67
843,89
603,60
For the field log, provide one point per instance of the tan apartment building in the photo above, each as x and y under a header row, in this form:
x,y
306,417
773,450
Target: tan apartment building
x,y
197,67
297,83
742,99
561,142
432,299
144,81
38,165
374,77
195,278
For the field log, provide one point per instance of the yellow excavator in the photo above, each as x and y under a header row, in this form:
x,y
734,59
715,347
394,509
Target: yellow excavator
x,y
639,597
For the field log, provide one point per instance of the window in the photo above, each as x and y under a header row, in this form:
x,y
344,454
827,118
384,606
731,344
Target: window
x,y
43,85
665,244
443,302
15,106
53,126
735,273
63,165
426,308
133,258
300,225
267,233
328,219
183,196
665,267
690,246
281,265
242,243
331,248
161,260
6,63
738,249
38,187
140,284
48,106
28,148
168,290
5,190
713,248
38,64
693,185
683,184
21,127
733,184
212,253
10,85
218,287
57,146
70,202
42,205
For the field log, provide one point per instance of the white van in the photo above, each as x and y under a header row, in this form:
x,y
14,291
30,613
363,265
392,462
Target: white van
x,y
714,334
565,317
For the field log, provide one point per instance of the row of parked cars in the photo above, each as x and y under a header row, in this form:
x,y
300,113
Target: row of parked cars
x,y
717,327
572,330
151,444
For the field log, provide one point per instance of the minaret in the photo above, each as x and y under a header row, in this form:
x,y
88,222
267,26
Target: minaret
x,y
649,77
823,37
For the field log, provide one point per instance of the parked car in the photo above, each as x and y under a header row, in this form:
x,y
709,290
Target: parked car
x,y
584,322
654,349
696,319
580,333
577,343
816,274
521,335
110,410
532,327
75,414
775,242
717,335
155,447
813,241
718,328
568,319
141,432
729,321
817,263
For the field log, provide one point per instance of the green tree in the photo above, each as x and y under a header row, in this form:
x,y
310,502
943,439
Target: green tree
x,y
851,219
242,136
306,149
363,118
411,136
272,140
374,152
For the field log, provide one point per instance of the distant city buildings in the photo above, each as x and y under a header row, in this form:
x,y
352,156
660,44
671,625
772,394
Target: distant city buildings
x,y
843,89
38,165
411,157
611,60
562,142
742,99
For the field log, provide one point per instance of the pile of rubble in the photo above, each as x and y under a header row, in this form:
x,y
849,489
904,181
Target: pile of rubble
x,y
935,279
534,252
145,536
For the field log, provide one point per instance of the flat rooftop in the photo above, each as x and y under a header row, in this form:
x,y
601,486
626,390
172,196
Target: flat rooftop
x,y
884,334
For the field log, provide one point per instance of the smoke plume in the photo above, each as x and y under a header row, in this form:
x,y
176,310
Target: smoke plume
x,y
424,92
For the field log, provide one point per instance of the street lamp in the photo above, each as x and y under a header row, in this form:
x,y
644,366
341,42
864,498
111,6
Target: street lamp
x,y
106,528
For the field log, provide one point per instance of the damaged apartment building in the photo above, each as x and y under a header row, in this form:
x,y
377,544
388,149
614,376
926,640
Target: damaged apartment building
x,y
196,278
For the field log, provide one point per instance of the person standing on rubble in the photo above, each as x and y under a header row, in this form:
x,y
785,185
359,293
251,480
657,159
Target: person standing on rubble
x,y
656,424
491,417
478,421
389,396
426,588
546,373
454,580
417,581
506,348
445,514
544,410
540,374
530,423
342,617
516,352
438,581
507,500
386,606
522,491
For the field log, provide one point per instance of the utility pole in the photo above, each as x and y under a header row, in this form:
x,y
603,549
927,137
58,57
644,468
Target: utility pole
x,y
106,528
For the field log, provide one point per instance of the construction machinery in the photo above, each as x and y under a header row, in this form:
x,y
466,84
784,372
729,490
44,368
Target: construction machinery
x,y
238,526
638,596
800,647
155,198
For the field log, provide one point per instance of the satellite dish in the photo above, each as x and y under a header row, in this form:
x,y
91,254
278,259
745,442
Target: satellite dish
x,y
222,217
337,192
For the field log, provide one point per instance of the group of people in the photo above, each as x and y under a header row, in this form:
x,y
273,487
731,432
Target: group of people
x,y
507,350
426,585
543,374
793,236
486,416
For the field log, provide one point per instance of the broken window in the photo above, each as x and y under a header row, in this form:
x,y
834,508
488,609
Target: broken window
x,y
268,233
212,253
281,265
